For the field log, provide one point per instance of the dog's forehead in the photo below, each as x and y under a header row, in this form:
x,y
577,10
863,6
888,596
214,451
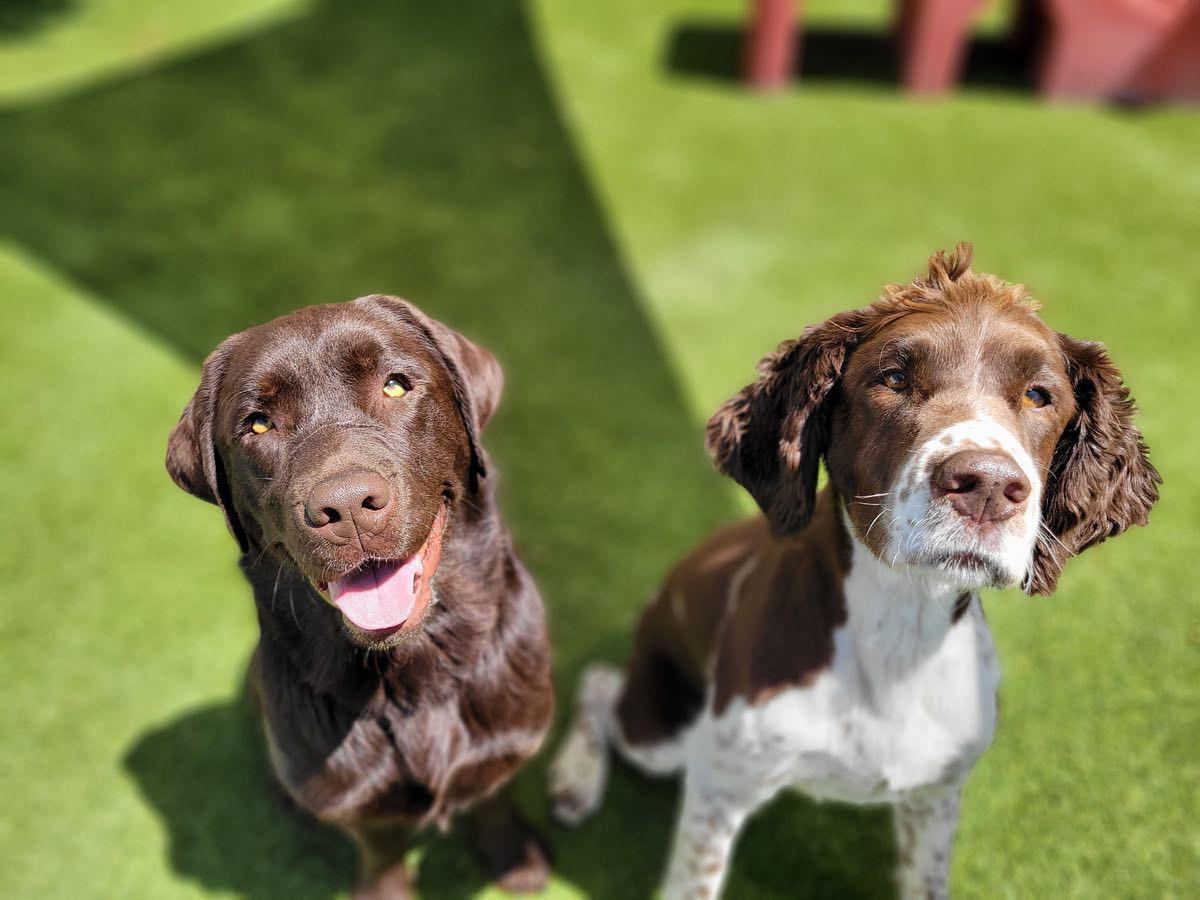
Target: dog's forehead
x,y
322,342
963,341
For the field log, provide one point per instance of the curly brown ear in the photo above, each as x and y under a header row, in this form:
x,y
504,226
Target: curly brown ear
x,y
192,458
1101,480
771,435
475,374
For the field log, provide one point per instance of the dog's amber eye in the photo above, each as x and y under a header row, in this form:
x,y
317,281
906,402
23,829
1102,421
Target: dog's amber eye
x,y
896,379
260,424
1035,398
394,387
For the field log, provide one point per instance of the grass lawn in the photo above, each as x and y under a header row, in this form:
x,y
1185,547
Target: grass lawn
x,y
580,187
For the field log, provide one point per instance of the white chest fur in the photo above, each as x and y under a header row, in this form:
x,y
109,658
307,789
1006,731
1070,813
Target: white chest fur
x,y
908,702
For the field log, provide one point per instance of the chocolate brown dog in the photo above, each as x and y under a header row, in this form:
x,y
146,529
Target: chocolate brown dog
x,y
402,669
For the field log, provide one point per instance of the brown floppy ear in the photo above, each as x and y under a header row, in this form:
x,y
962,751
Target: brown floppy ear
x,y
475,374
1101,480
192,458
770,437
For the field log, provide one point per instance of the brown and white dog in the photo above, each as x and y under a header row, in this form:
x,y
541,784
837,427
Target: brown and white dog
x,y
837,643
402,669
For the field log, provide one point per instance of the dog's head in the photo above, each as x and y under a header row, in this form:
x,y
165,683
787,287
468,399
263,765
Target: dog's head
x,y
963,434
339,437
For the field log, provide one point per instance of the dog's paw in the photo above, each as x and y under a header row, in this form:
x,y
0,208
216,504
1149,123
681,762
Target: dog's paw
x,y
391,884
528,875
578,777
511,852
580,771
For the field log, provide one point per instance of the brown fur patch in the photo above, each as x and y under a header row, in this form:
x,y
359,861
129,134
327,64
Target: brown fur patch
x,y
665,680
781,634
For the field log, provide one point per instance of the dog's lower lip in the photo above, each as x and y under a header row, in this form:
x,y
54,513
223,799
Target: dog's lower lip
x,y
963,558
379,634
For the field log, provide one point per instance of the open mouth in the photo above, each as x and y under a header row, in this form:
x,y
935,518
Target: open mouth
x,y
383,596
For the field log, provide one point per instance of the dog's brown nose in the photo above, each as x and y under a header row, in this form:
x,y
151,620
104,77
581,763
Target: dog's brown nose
x,y
348,503
980,485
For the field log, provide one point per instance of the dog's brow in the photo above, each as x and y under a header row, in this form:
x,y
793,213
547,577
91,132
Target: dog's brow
x,y
901,348
1030,362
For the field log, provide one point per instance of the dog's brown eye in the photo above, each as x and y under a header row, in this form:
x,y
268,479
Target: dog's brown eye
x,y
394,387
260,424
896,379
1035,398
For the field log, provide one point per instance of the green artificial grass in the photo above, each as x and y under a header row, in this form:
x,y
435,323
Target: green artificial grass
x,y
49,47
583,189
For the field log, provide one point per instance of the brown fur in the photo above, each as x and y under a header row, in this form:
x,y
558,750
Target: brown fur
x,y
773,642
771,435
818,397
380,738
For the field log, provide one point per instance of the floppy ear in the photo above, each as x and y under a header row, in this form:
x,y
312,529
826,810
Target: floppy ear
x,y
192,458
1101,480
770,437
474,373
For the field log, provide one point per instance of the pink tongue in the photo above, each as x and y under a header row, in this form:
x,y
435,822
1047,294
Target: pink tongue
x,y
380,596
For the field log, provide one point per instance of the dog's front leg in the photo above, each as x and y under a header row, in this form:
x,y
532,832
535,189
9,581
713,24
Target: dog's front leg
x,y
383,874
510,851
709,821
925,826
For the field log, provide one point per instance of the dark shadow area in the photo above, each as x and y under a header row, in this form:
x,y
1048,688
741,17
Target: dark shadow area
x,y
797,847
20,17
714,50
206,775
408,148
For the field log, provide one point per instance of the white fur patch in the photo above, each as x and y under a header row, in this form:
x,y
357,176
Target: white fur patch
x,y
919,528
579,772
906,707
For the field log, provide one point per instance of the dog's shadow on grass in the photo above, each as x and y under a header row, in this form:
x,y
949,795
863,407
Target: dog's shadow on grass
x,y
206,775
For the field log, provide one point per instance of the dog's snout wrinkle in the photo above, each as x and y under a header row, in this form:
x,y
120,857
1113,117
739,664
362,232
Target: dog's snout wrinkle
x,y
349,505
981,486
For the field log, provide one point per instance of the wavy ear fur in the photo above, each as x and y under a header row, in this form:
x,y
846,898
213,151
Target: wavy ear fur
x,y
192,458
474,372
1101,480
771,435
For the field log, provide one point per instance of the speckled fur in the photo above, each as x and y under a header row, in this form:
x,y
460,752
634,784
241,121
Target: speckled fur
x,y
836,644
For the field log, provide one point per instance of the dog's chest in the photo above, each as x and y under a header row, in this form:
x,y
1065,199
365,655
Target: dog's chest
x,y
902,706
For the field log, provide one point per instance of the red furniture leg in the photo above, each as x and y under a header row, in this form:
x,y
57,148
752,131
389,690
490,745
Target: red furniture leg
x,y
770,41
1172,70
1096,46
933,36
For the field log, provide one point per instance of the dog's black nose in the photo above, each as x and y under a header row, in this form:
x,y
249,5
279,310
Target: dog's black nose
x,y
349,503
982,486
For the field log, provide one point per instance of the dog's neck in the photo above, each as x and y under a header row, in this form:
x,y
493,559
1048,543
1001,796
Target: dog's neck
x,y
897,616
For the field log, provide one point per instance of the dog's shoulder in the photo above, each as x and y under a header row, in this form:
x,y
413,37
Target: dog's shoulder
x,y
780,630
